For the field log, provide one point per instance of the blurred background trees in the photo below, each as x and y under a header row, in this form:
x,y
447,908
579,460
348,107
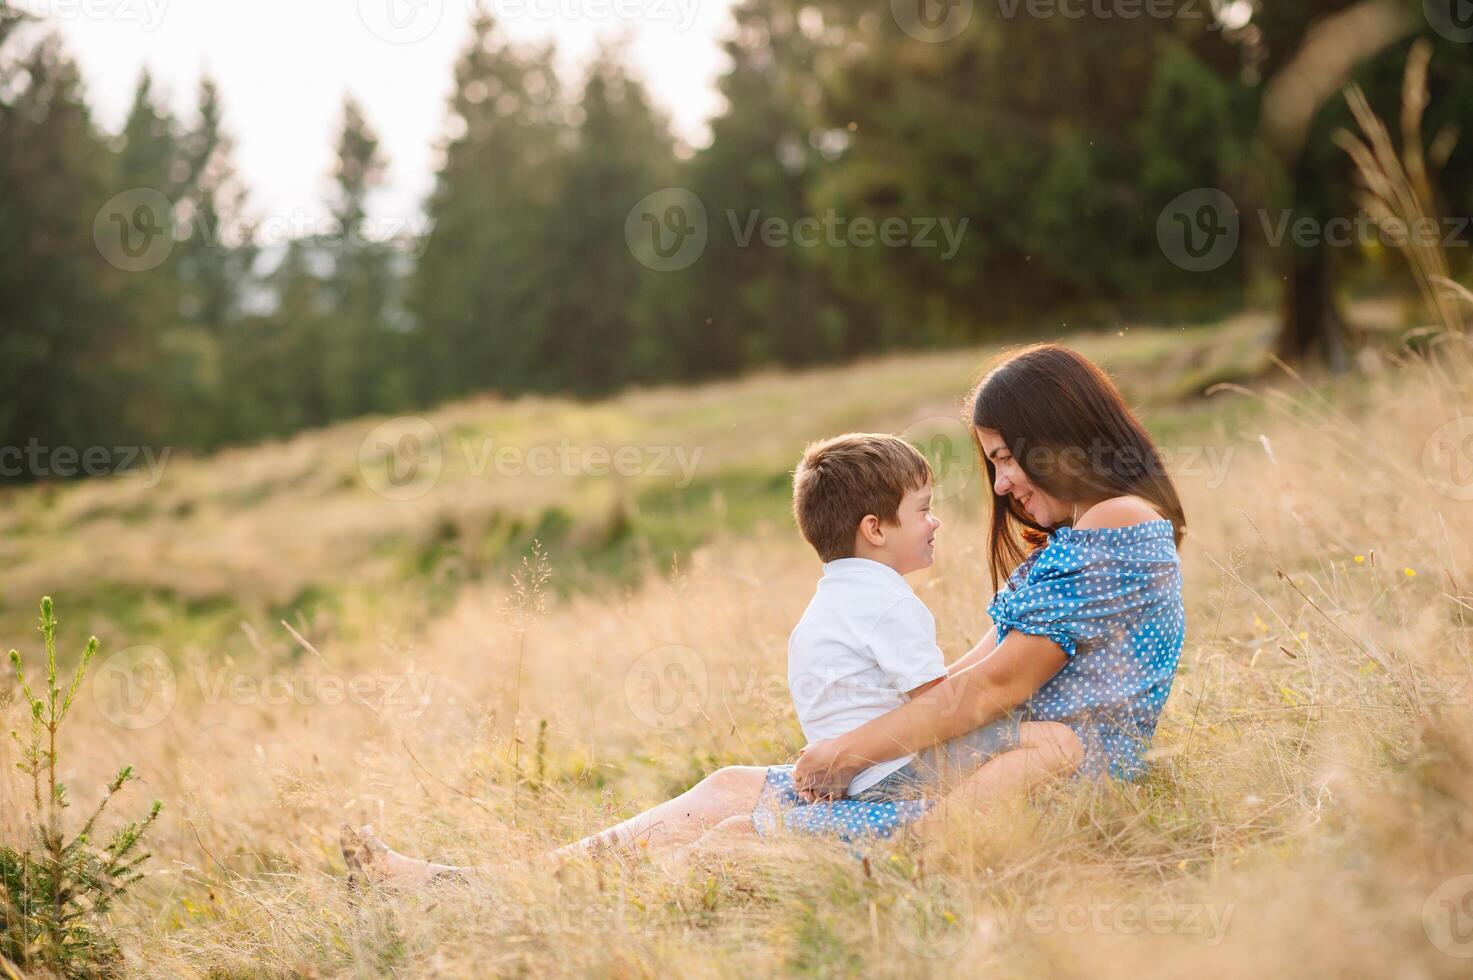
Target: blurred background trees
x,y
1058,139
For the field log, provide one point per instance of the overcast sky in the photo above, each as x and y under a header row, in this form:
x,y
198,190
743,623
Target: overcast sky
x,y
283,67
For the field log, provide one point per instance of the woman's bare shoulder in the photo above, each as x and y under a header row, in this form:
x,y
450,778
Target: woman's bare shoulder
x,y
1120,511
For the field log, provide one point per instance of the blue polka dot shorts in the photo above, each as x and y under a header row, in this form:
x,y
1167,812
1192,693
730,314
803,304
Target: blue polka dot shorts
x,y
901,798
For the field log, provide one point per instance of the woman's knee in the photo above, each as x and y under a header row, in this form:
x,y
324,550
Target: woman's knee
x,y
1056,740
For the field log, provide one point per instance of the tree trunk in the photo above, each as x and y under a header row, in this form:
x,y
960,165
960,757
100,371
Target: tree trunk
x,y
1295,92
1312,327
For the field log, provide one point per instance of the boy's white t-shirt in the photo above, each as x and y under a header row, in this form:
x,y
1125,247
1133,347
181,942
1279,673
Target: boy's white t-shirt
x,y
864,640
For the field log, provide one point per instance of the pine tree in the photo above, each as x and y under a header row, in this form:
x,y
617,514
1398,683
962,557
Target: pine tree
x,y
753,304
484,286
361,369
622,152
62,339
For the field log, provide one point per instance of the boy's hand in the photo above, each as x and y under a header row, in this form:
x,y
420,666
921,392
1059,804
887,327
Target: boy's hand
x,y
819,774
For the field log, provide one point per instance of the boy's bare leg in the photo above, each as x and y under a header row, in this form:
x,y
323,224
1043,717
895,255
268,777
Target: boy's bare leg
x,y
726,793
371,860
723,835
1046,751
731,792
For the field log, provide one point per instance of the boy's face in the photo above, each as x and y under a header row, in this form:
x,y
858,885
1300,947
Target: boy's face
x,y
910,543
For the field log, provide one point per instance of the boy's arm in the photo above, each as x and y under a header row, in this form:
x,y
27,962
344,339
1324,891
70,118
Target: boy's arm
x,y
986,645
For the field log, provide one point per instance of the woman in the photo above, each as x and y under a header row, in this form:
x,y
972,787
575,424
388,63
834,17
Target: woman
x,y
1088,617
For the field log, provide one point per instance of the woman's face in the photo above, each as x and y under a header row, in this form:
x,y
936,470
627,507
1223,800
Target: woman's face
x,y
1011,481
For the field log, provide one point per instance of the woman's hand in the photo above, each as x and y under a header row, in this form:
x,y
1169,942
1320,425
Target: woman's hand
x,y
823,772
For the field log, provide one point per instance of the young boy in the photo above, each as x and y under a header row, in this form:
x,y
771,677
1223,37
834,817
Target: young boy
x,y
866,643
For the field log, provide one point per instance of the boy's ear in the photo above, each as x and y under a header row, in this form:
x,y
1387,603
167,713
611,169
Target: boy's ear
x,y
872,530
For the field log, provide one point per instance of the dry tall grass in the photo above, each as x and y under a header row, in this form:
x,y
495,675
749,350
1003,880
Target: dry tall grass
x,y
1310,790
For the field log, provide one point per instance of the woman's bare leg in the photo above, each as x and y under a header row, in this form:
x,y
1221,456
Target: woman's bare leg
x,y
1046,751
730,792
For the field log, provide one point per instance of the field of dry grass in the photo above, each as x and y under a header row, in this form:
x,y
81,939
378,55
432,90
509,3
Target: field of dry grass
x,y
1309,806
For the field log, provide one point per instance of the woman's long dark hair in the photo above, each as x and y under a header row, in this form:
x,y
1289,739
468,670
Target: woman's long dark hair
x,y
1065,423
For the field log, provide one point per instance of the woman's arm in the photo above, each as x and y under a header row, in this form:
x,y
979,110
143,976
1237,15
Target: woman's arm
x,y
964,701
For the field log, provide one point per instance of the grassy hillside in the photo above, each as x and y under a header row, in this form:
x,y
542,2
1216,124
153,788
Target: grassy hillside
x,y
267,531
1308,802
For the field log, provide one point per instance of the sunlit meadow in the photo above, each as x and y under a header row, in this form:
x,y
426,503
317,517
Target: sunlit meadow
x,y
284,648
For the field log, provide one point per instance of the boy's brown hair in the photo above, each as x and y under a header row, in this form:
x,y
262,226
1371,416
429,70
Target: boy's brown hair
x,y
842,480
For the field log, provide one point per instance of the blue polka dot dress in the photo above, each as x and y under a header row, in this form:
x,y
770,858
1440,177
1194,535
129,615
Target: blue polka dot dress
x,y
1111,599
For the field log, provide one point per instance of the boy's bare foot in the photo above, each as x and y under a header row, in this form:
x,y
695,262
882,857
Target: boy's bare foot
x,y
355,856
595,846
372,862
